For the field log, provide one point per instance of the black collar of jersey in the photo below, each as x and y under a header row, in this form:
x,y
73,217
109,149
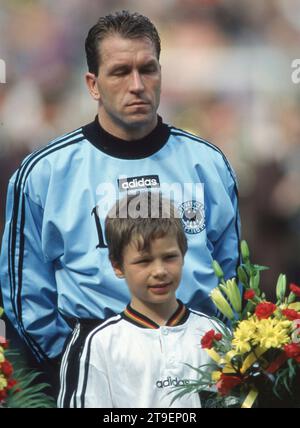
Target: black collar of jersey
x,y
134,317
116,147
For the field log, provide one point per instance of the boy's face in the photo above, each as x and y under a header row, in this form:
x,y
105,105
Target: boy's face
x,y
152,276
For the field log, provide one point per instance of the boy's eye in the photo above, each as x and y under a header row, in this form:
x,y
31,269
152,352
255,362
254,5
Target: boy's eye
x,y
171,256
142,261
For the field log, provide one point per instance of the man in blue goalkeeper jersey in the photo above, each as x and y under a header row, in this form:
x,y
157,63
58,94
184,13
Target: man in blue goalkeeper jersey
x,y
55,271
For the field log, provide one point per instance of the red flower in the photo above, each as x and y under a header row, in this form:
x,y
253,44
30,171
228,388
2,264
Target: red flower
x,y
295,289
265,310
292,350
207,340
249,294
291,314
11,383
3,342
6,368
3,394
227,382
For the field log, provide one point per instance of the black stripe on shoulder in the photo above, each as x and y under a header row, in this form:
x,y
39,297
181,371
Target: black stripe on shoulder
x,y
106,323
54,145
88,356
22,175
193,137
51,143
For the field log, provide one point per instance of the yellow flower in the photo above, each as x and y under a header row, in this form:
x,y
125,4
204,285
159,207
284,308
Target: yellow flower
x,y
3,382
241,346
243,335
221,303
272,333
215,376
248,326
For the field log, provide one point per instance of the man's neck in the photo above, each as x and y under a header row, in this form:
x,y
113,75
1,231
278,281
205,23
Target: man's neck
x,y
127,134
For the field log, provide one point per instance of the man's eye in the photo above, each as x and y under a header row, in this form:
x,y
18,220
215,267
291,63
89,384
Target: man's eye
x,y
120,72
149,69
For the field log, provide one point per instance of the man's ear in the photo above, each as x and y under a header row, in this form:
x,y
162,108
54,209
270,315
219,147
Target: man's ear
x,y
117,269
91,81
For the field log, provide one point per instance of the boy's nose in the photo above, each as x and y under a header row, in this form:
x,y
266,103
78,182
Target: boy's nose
x,y
159,270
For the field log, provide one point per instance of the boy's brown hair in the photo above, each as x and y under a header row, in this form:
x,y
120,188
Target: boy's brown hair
x,y
143,217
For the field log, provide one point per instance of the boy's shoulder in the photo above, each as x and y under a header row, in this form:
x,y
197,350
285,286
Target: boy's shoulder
x,y
108,325
204,320
198,313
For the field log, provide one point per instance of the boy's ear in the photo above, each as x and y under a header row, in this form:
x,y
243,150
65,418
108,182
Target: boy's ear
x,y
117,269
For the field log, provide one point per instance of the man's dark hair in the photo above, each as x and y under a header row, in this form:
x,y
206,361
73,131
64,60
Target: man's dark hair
x,y
126,24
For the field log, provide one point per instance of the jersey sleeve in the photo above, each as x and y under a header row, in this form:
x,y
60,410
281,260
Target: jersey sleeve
x,y
28,280
93,389
227,241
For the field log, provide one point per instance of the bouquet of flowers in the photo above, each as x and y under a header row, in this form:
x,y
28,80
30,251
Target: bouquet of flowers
x,y
16,385
256,356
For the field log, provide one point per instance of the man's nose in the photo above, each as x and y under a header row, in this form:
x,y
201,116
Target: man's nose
x,y
136,83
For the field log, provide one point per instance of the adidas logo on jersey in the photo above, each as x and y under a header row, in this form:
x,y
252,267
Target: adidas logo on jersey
x,y
132,183
171,382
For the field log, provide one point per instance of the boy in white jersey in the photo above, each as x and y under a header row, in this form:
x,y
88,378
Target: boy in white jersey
x,y
133,359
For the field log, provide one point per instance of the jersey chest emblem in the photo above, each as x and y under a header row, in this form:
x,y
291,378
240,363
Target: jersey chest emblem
x,y
193,216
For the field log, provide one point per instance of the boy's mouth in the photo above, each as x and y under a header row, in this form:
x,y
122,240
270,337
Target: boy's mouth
x,y
160,288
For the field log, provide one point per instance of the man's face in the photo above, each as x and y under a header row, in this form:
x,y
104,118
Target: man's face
x,y
129,84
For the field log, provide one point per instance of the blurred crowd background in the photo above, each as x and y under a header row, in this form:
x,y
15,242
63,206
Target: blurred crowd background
x,y
227,76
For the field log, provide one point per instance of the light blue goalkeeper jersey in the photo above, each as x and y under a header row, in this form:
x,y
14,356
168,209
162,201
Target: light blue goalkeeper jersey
x,y
54,260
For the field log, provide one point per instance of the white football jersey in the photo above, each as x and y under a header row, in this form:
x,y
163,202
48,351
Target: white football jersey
x,y
131,362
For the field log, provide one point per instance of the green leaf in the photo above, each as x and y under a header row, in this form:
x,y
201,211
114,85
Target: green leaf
x,y
281,288
259,268
218,270
242,276
245,251
28,392
248,308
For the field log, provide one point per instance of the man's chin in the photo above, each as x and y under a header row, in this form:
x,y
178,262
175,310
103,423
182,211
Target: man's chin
x,y
138,120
